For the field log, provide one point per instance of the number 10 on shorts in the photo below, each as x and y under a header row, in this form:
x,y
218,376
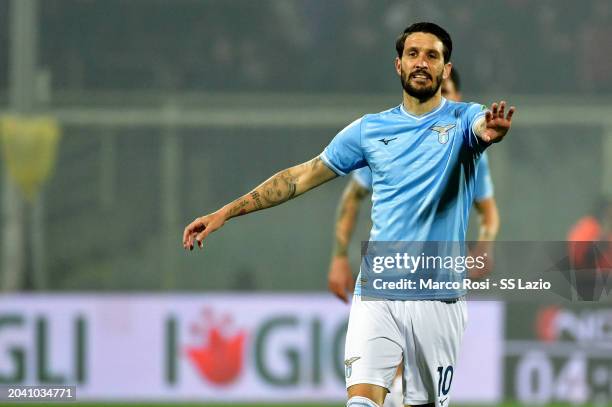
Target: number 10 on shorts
x,y
445,378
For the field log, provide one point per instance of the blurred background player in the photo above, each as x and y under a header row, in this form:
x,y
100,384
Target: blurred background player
x,y
340,277
590,248
595,226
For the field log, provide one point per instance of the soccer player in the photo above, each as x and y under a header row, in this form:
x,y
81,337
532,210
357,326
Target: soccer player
x,y
340,277
422,154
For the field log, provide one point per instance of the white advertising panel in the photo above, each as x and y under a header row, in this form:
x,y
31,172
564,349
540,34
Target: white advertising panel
x,y
225,347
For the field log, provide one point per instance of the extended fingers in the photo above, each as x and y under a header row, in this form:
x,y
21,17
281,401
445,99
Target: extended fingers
x,y
502,109
510,113
498,111
494,110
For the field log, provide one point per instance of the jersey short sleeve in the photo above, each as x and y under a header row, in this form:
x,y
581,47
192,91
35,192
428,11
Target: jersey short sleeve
x,y
484,183
344,153
471,115
363,176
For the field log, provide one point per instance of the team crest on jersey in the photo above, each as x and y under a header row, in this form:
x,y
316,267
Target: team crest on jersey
x,y
443,131
348,365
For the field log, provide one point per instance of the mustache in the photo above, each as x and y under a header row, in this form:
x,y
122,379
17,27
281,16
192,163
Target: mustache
x,y
420,72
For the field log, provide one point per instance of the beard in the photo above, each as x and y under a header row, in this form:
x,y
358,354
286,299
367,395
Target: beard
x,y
423,93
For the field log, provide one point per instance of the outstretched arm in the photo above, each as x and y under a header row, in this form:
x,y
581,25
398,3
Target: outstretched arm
x,y
279,188
340,278
495,125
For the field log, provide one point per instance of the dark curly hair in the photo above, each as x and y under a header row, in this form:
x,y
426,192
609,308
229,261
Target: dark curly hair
x,y
429,28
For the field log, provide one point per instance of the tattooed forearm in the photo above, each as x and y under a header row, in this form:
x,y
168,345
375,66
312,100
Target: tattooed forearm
x,y
340,247
280,188
315,163
238,207
255,196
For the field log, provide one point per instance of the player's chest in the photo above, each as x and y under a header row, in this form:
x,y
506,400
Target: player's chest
x,y
407,146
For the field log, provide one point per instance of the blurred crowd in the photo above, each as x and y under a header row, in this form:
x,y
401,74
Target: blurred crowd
x,y
527,46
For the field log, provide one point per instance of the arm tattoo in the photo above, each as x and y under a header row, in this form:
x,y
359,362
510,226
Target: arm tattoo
x,y
346,217
255,196
342,234
239,208
315,163
361,192
280,188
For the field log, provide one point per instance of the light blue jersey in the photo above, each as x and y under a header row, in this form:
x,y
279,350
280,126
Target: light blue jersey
x,y
483,188
423,173
423,169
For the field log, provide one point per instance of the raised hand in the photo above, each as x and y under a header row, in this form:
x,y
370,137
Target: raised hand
x,y
200,228
496,123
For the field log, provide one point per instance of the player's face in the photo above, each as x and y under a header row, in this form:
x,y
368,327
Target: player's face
x,y
421,67
449,90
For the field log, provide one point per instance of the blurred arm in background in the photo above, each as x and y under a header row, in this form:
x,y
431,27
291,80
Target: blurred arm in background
x,y
279,188
487,232
489,219
340,278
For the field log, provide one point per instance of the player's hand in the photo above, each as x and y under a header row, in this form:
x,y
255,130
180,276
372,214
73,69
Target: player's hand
x,y
340,279
200,228
496,123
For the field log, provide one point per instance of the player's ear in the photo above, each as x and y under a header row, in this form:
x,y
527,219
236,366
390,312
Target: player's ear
x,y
447,70
398,66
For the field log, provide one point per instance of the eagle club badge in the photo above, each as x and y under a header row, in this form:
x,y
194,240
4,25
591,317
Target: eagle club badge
x,y
348,365
442,130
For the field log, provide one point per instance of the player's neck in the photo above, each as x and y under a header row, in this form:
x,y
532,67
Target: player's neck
x,y
415,107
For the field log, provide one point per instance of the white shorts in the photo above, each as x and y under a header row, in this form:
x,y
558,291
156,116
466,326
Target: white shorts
x,y
426,335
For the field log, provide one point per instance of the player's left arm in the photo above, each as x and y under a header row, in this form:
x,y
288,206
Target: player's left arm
x,y
494,126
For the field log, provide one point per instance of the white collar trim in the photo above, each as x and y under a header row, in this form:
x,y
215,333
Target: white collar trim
x,y
440,106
